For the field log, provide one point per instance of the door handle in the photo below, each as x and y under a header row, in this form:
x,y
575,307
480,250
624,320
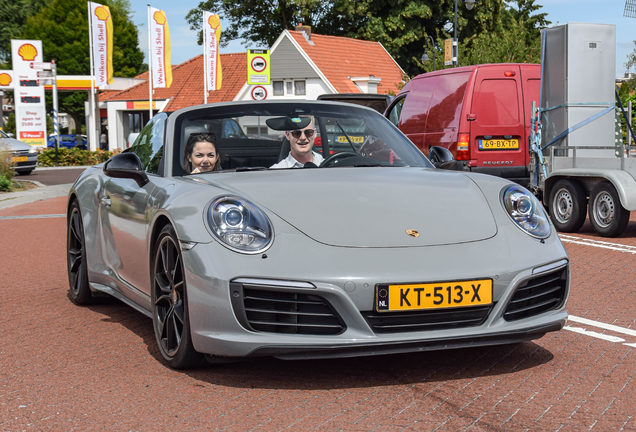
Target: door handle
x,y
106,201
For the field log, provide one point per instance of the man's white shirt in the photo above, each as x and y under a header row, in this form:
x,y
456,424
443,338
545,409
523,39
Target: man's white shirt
x,y
290,162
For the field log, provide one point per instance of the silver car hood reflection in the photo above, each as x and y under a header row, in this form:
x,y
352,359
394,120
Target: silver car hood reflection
x,y
336,208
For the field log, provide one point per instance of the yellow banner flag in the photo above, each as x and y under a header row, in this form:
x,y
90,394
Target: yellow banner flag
x,y
212,55
101,22
160,50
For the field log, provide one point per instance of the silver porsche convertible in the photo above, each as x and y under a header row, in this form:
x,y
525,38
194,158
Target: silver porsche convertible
x,y
372,248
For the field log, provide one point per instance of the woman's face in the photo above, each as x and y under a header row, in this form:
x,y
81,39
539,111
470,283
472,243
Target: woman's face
x,y
203,156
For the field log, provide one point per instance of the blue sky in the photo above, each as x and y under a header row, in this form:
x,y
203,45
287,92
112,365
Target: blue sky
x,y
184,44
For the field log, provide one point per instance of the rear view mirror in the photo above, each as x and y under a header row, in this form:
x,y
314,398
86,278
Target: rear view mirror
x,y
126,165
441,157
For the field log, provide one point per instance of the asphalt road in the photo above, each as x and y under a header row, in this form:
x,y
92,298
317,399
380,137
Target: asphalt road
x,y
53,176
64,367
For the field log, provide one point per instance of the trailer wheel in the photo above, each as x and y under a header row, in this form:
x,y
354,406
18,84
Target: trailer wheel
x,y
607,215
567,206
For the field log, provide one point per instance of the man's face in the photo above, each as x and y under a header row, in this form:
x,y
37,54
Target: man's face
x,y
301,143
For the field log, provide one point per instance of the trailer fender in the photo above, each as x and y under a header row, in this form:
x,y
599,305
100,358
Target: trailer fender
x,y
623,182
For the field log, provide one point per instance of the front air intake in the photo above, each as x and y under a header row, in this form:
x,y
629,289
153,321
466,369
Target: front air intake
x,y
276,310
538,295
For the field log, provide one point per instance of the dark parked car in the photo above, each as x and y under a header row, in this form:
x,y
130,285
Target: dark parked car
x,y
378,102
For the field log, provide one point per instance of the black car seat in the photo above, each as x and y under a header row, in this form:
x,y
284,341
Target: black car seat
x,y
285,148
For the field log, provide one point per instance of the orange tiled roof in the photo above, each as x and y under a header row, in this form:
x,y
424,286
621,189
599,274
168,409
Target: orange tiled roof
x,y
187,84
339,58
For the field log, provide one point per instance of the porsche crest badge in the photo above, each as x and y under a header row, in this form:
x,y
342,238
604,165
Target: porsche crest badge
x,y
413,233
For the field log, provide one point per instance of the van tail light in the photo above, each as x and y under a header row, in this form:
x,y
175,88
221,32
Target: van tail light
x,y
463,150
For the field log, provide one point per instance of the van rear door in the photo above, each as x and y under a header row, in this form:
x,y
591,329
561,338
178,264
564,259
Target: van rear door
x,y
497,132
531,82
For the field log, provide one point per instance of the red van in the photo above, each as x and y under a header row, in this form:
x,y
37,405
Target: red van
x,y
481,113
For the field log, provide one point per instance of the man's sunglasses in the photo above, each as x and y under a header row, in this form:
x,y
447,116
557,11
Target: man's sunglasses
x,y
308,133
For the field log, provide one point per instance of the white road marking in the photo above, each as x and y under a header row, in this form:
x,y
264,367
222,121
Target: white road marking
x,y
597,243
602,325
594,334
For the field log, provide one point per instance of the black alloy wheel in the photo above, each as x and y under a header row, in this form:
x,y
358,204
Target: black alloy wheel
x,y
171,320
80,292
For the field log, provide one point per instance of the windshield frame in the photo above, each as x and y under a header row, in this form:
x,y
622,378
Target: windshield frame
x,y
319,109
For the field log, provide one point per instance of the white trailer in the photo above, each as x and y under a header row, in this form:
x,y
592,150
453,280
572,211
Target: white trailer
x,y
580,164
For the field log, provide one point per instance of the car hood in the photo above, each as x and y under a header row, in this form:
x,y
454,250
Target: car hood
x,y
13,144
373,207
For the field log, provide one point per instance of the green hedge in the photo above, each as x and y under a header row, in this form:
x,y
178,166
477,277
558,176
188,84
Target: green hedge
x,y
73,157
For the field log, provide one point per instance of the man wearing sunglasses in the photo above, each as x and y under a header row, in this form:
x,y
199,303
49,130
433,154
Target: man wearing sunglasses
x,y
301,143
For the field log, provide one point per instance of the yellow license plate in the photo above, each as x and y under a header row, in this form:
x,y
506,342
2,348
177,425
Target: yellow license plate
x,y
433,295
498,144
19,159
355,139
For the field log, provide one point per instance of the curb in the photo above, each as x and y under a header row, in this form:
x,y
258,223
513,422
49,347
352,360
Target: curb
x,y
13,199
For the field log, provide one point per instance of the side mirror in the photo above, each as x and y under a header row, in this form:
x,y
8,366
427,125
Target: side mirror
x,y
10,135
126,165
441,157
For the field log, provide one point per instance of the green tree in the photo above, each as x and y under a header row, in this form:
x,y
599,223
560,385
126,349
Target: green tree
x,y
261,22
523,12
506,45
13,17
62,26
402,26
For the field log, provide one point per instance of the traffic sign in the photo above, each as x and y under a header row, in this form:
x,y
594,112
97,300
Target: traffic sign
x,y
259,93
41,65
448,52
258,65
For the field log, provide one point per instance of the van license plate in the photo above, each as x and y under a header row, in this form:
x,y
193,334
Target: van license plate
x,y
355,139
498,144
19,159
433,295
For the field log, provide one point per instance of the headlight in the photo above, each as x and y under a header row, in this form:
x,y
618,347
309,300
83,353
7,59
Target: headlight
x,y
526,211
240,225
33,150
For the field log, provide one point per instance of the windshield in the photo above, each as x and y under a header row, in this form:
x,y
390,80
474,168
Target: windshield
x,y
240,137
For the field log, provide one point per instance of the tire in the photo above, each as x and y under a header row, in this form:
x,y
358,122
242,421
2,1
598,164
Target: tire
x,y
567,206
607,215
79,290
24,172
170,315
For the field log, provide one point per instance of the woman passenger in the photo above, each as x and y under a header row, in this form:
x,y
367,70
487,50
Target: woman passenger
x,y
201,154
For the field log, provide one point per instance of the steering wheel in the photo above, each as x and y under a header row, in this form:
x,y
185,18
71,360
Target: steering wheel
x,y
333,159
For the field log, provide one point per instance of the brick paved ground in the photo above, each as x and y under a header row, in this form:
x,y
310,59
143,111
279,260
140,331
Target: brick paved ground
x,y
64,367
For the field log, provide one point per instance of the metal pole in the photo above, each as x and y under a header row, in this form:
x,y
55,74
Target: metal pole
x,y
433,42
56,128
629,122
149,68
205,61
1,110
455,47
91,118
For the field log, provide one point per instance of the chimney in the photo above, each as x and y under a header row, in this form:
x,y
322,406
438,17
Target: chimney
x,y
366,84
306,31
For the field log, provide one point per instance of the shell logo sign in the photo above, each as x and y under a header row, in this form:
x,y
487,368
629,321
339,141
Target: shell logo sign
x,y
101,13
27,52
159,18
5,79
214,21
